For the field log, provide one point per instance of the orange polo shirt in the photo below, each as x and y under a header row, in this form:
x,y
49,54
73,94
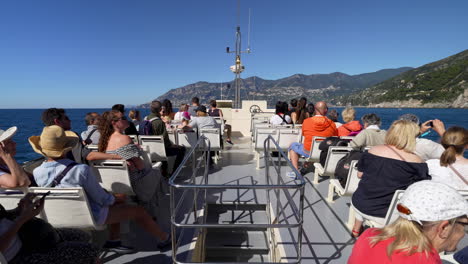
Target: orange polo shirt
x,y
317,126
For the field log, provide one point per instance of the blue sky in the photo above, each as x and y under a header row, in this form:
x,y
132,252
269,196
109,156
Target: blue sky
x,y
97,53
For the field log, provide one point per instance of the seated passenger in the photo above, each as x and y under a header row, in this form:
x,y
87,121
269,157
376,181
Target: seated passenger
x,y
11,173
426,148
333,116
54,143
351,127
159,129
433,219
316,126
385,169
371,135
216,112
202,120
169,112
71,245
280,117
131,129
300,114
135,117
452,167
91,135
113,141
182,114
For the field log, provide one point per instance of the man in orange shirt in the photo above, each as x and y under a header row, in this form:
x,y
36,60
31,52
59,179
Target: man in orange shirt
x,y
317,126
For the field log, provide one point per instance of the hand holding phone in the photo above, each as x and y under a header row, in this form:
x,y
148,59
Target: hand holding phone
x,y
44,195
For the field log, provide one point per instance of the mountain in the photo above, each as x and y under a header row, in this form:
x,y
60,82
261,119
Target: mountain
x,y
315,87
443,83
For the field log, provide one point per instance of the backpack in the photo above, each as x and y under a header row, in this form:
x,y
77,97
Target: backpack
x,y
329,142
343,166
146,127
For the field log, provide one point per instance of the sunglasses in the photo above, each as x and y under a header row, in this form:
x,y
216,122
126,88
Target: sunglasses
x,y
464,224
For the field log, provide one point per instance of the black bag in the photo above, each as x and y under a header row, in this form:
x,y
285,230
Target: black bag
x,y
329,142
343,166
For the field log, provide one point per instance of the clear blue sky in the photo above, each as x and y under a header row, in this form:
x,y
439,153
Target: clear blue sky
x,y
96,53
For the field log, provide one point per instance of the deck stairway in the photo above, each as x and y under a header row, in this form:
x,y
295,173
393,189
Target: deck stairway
x,y
236,217
243,245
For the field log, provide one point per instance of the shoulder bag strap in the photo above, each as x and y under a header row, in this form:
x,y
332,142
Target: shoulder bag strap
x,y
59,178
401,157
458,174
90,134
284,119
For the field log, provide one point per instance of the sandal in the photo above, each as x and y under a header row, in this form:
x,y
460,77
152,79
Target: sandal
x,y
355,233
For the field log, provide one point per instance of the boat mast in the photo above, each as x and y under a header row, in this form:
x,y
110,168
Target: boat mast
x,y
238,68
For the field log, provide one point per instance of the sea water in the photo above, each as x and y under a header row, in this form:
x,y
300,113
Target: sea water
x,y
29,122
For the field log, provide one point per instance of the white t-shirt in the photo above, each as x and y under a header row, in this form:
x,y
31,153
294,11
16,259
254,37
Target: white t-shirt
x,y
428,149
277,120
446,175
15,244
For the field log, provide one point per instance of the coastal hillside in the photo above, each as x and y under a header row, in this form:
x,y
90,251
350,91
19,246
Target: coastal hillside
x,y
443,83
316,86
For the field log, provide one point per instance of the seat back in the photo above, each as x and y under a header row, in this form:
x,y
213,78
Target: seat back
x,y
392,213
155,146
67,208
9,198
113,176
257,127
314,155
213,135
171,133
187,138
134,138
262,134
347,137
334,154
287,136
353,180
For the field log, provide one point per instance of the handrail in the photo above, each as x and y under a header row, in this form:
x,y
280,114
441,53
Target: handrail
x,y
277,186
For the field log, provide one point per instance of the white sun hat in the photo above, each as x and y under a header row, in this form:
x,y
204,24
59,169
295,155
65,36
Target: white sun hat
x,y
7,134
431,201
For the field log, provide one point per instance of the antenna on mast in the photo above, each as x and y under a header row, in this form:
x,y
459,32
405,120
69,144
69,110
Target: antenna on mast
x,y
238,68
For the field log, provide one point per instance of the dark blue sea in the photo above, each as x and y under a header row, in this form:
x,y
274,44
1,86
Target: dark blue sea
x,y
29,122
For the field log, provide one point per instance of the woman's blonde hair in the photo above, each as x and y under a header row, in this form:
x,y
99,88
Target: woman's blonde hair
x,y
402,134
134,114
348,114
409,237
454,141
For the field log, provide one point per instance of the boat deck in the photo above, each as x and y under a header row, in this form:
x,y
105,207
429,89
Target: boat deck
x,y
325,238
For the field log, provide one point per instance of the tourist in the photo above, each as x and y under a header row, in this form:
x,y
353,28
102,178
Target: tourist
x,y
300,114
317,126
452,167
135,117
195,104
91,135
131,129
54,143
432,219
426,148
169,112
280,117
351,127
333,116
292,106
159,129
182,114
202,120
216,112
12,175
69,246
385,169
372,135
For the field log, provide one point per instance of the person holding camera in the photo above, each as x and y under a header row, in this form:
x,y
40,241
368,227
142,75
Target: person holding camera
x,y
26,239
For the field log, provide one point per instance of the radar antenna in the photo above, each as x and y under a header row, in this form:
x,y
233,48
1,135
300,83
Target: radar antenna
x,y
238,68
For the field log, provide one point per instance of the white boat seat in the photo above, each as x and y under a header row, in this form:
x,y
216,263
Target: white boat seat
x,y
287,136
156,147
113,176
134,139
261,135
334,154
213,135
257,127
351,183
187,138
314,154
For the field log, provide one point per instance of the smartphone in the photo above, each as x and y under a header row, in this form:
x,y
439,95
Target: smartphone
x,y
44,195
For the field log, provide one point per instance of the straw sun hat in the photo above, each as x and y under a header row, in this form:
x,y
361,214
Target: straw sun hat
x,y
54,141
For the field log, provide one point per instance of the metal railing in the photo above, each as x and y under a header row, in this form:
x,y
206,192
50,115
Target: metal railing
x,y
280,195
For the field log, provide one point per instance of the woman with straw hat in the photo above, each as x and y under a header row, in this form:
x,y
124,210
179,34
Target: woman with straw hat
x,y
11,174
433,219
54,143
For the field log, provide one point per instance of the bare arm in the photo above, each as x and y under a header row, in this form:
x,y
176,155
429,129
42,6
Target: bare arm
x,y
95,155
17,176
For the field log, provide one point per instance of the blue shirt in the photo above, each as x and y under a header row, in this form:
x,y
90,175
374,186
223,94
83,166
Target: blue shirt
x,y
79,176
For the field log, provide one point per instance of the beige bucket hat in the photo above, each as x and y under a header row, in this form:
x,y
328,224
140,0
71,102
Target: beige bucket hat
x,y
54,141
